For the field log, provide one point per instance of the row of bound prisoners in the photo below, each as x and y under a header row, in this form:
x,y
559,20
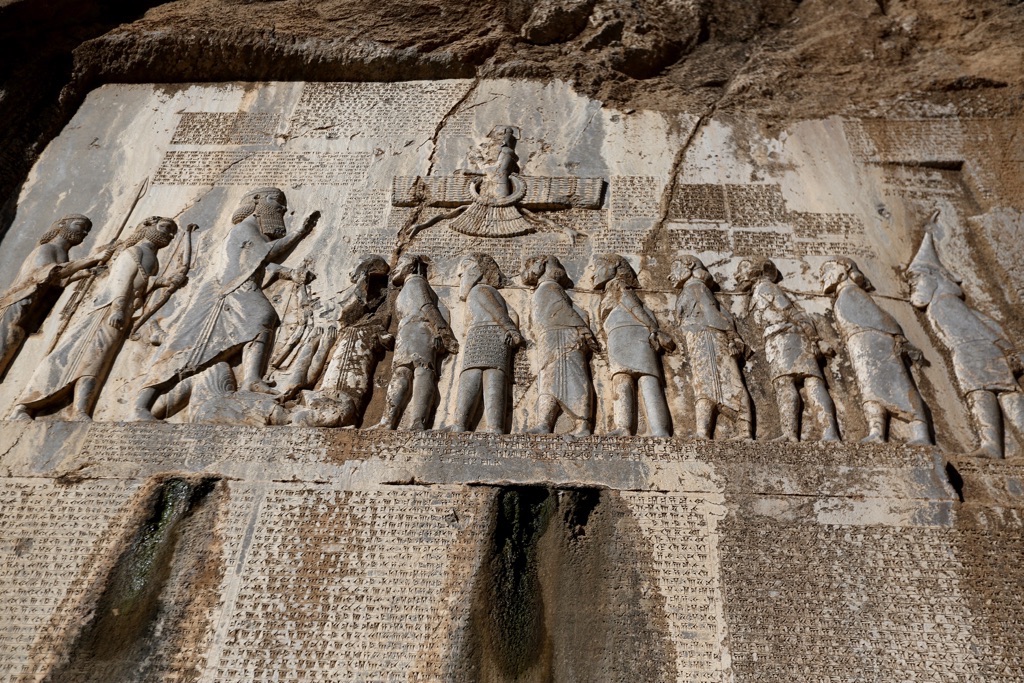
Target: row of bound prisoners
x,y
231,358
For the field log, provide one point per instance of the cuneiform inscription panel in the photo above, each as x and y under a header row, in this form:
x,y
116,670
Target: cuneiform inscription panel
x,y
237,167
347,584
225,128
50,538
330,110
681,532
850,602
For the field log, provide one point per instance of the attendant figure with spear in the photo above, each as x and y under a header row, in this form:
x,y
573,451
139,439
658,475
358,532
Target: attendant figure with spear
x,y
46,268
78,364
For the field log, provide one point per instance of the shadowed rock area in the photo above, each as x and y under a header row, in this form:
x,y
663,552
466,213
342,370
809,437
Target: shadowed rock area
x,y
140,627
559,596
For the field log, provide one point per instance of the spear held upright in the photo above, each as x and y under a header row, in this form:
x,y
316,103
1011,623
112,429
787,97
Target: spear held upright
x,y
185,260
83,286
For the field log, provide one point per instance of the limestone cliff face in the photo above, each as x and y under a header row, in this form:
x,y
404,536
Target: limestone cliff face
x,y
773,59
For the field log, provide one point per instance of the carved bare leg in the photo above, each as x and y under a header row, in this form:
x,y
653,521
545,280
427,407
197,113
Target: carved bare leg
x,y
423,386
659,419
494,400
582,427
920,434
1013,410
398,390
623,405
470,387
878,420
547,414
988,420
823,408
85,397
788,397
253,362
142,412
705,409
744,422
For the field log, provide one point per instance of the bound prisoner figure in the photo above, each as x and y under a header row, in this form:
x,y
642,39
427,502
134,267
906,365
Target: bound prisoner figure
x,y
793,349
422,335
79,363
985,362
230,315
877,346
635,343
47,268
338,372
564,345
492,332
713,350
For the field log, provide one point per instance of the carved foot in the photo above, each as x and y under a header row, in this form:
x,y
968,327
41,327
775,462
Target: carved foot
x,y
490,430
261,387
582,430
786,438
660,434
830,436
142,415
539,429
619,431
988,451
455,429
79,416
873,437
20,413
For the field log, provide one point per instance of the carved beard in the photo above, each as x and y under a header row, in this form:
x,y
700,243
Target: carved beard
x,y
271,219
75,237
158,237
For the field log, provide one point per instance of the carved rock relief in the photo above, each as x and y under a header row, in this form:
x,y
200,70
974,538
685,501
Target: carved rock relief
x,y
447,286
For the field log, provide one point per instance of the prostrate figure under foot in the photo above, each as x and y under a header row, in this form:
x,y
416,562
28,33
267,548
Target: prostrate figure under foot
x,y
230,315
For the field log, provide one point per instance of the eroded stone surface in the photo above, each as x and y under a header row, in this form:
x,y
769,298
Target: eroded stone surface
x,y
569,332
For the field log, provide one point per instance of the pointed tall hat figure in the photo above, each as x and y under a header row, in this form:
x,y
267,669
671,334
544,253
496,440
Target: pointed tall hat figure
x,y
927,258
983,358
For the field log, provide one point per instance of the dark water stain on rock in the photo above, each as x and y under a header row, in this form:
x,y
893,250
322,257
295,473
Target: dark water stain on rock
x,y
561,598
119,643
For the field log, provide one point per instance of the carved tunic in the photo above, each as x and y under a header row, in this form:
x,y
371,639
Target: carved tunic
x,y
488,322
974,341
414,341
628,326
871,339
353,360
788,332
710,336
227,312
561,347
89,345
